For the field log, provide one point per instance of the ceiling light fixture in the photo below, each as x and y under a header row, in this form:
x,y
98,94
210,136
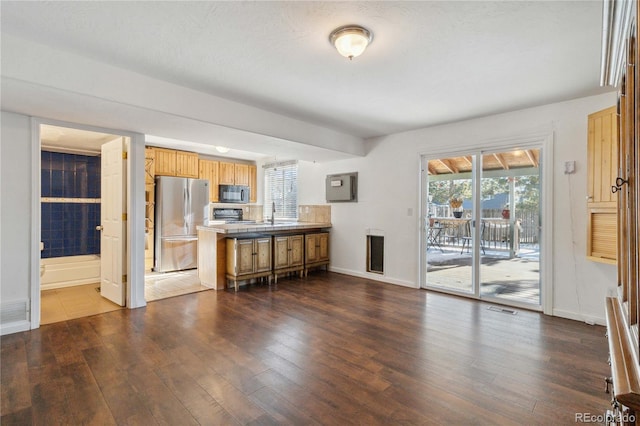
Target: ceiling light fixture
x,y
222,149
351,40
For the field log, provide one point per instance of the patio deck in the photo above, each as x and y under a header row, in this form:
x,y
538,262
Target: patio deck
x,y
516,279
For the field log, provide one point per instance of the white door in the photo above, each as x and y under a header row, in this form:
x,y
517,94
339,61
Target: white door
x,y
113,237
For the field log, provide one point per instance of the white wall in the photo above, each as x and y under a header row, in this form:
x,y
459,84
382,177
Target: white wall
x,y
389,179
15,213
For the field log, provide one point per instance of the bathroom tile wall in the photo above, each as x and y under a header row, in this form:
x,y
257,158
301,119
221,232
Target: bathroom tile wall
x,y
69,228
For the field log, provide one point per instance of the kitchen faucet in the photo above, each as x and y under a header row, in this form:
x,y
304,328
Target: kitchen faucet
x,y
273,212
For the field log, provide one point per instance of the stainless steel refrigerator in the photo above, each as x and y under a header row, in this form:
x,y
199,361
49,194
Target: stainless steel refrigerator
x,y
182,204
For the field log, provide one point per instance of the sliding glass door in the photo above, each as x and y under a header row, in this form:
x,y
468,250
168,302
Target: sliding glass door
x,y
482,220
447,230
510,226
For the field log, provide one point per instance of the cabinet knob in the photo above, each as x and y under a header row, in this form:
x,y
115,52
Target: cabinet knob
x,y
589,197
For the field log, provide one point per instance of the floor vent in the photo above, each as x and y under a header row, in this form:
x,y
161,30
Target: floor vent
x,y
14,312
502,310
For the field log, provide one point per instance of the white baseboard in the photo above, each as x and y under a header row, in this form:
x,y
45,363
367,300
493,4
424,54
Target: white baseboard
x,y
589,319
14,327
374,277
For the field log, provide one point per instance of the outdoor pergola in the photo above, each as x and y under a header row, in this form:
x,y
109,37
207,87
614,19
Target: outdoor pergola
x,y
498,165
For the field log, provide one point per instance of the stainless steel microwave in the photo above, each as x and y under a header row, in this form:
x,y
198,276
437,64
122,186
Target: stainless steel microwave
x,y
233,194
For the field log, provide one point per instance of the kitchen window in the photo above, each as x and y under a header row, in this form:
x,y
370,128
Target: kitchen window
x,y
281,188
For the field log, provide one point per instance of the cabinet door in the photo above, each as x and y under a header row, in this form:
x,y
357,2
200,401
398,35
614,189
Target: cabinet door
x,y
311,252
244,256
263,254
253,184
602,158
602,243
227,174
280,252
149,165
165,162
296,250
208,169
323,246
186,164
241,174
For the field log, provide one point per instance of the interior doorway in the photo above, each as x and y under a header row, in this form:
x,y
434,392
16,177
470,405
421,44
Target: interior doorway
x,y
483,223
71,208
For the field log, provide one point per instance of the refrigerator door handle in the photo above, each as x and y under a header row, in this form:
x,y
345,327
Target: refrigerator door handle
x,y
184,207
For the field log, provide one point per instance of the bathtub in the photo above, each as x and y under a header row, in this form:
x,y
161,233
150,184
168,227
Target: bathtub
x,y
58,272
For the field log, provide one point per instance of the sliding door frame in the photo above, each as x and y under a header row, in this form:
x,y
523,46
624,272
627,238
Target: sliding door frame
x,y
542,140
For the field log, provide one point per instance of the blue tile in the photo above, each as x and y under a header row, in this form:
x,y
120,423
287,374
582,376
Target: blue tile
x,y
69,162
57,183
57,233
68,184
45,183
57,161
45,160
82,184
45,209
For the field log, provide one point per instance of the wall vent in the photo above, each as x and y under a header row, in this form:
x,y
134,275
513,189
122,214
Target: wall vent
x,y
14,311
375,254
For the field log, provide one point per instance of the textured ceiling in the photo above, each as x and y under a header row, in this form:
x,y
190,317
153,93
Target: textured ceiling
x,y
429,63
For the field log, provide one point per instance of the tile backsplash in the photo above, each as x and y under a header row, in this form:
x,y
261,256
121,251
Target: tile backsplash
x,y
314,213
70,205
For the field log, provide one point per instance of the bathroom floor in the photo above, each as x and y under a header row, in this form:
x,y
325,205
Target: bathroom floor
x,y
84,300
67,303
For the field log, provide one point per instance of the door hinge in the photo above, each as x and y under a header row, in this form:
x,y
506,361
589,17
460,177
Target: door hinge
x,y
124,217
124,155
124,278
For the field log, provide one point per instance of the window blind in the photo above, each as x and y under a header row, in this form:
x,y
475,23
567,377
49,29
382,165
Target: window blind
x,y
281,188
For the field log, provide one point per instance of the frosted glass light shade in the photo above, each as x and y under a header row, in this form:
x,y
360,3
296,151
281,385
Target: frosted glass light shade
x,y
351,41
222,149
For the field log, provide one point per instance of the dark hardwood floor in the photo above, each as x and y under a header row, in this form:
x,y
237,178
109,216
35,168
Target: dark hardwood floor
x,y
326,349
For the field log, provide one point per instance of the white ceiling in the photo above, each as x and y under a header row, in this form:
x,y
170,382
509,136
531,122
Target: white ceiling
x,y
429,63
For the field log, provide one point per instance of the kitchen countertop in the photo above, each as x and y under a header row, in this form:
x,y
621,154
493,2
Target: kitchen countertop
x,y
261,227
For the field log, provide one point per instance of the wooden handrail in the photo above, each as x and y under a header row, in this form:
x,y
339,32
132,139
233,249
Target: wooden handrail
x,y
624,367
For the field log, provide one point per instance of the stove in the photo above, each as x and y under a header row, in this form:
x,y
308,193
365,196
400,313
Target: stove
x,y
230,215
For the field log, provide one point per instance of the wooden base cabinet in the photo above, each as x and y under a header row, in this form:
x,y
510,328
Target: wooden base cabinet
x,y
288,254
316,250
248,258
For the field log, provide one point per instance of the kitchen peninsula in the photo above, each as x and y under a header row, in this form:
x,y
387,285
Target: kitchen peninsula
x,y
313,222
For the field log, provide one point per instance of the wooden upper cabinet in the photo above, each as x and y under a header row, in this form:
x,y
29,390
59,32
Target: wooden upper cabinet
x,y
169,162
602,157
149,166
227,174
241,174
253,184
186,164
165,162
208,169
602,170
